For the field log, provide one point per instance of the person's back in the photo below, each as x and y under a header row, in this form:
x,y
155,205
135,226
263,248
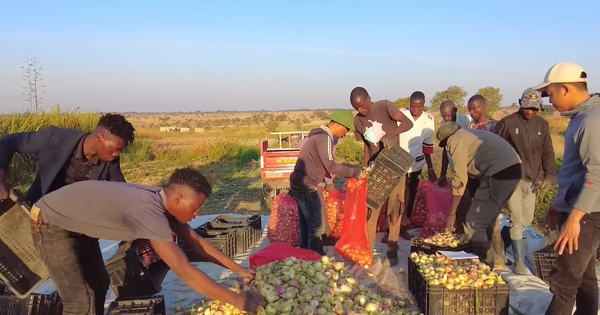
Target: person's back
x,y
486,152
108,210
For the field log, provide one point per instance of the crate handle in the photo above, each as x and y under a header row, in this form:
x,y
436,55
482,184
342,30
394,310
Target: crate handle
x,y
476,301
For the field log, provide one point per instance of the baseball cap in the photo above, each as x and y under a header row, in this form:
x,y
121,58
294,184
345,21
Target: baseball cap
x,y
531,99
446,131
564,72
343,117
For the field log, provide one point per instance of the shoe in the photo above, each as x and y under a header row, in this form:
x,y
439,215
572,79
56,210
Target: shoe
x,y
391,258
404,233
519,250
384,239
484,251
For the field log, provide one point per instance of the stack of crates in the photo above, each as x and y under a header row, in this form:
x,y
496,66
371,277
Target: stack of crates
x,y
151,305
233,235
34,304
134,272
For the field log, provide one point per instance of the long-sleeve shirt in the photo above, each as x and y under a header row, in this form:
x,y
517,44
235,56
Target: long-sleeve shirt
x,y
316,161
531,139
579,175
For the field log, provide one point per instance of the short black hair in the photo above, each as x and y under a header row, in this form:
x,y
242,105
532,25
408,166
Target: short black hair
x,y
418,96
192,179
358,92
477,98
117,125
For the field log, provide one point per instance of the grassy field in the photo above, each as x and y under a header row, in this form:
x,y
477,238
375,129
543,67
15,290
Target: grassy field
x,y
225,150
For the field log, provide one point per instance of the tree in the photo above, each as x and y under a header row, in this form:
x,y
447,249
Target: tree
x,y
454,93
493,98
403,102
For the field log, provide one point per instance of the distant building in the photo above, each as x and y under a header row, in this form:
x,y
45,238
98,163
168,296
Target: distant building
x,y
170,129
198,129
182,129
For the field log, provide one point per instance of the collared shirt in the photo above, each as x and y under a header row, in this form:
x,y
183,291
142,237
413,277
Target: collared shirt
x,y
489,125
109,210
419,139
80,167
463,120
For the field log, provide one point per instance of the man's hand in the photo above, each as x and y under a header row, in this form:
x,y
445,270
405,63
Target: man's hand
x,y
363,175
569,233
442,180
431,175
250,302
330,188
451,222
389,142
543,187
248,275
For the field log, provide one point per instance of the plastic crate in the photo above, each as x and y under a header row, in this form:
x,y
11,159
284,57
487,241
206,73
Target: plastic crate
x,y
417,245
543,261
389,167
21,267
249,237
129,277
223,240
34,304
437,300
152,305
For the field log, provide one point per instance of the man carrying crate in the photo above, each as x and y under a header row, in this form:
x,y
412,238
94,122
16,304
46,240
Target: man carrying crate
x,y
376,125
69,221
497,166
314,163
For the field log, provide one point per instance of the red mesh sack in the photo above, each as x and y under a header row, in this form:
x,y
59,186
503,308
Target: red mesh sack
x,y
438,206
334,203
281,251
285,221
354,243
420,211
382,219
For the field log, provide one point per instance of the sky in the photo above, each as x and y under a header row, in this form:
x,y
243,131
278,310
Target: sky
x,y
166,56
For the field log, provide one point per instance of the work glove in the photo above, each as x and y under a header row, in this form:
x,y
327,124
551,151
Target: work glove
x,y
451,222
330,187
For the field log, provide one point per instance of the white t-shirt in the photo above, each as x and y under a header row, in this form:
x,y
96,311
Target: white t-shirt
x,y
418,138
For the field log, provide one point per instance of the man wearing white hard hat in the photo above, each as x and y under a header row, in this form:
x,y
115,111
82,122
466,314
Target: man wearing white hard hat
x,y
573,278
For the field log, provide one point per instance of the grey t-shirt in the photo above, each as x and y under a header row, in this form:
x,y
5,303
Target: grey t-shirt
x,y
108,210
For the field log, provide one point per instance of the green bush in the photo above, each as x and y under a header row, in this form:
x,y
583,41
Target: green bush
x,y
350,151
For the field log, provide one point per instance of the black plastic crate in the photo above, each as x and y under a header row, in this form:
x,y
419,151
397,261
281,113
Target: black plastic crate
x,y
251,229
437,300
130,277
223,240
34,304
417,245
544,260
152,305
389,167
21,267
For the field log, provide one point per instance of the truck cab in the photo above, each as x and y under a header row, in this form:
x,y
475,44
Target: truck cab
x,y
278,155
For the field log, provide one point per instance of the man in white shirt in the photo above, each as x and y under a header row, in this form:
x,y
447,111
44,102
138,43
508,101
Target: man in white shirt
x,y
418,141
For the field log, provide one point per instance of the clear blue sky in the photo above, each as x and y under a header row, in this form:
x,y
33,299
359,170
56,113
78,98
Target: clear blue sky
x,y
242,55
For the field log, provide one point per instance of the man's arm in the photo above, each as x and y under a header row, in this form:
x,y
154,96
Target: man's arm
x,y
172,255
459,181
444,170
204,248
589,150
428,148
324,149
398,116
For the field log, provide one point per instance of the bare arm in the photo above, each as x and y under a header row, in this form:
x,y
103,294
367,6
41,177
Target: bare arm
x,y
405,124
367,156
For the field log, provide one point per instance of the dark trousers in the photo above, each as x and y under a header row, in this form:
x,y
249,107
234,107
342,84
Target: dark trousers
x,y
412,184
573,278
309,211
76,268
465,204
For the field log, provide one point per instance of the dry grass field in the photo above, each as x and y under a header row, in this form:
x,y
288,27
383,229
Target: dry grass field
x,y
225,149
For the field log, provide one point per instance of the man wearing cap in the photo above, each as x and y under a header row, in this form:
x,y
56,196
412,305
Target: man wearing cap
x,y
449,113
573,278
314,163
379,125
529,135
489,157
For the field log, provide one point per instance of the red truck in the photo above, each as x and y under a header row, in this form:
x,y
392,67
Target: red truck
x,y
277,162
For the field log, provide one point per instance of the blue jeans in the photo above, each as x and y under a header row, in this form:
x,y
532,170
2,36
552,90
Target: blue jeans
x,y
309,211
